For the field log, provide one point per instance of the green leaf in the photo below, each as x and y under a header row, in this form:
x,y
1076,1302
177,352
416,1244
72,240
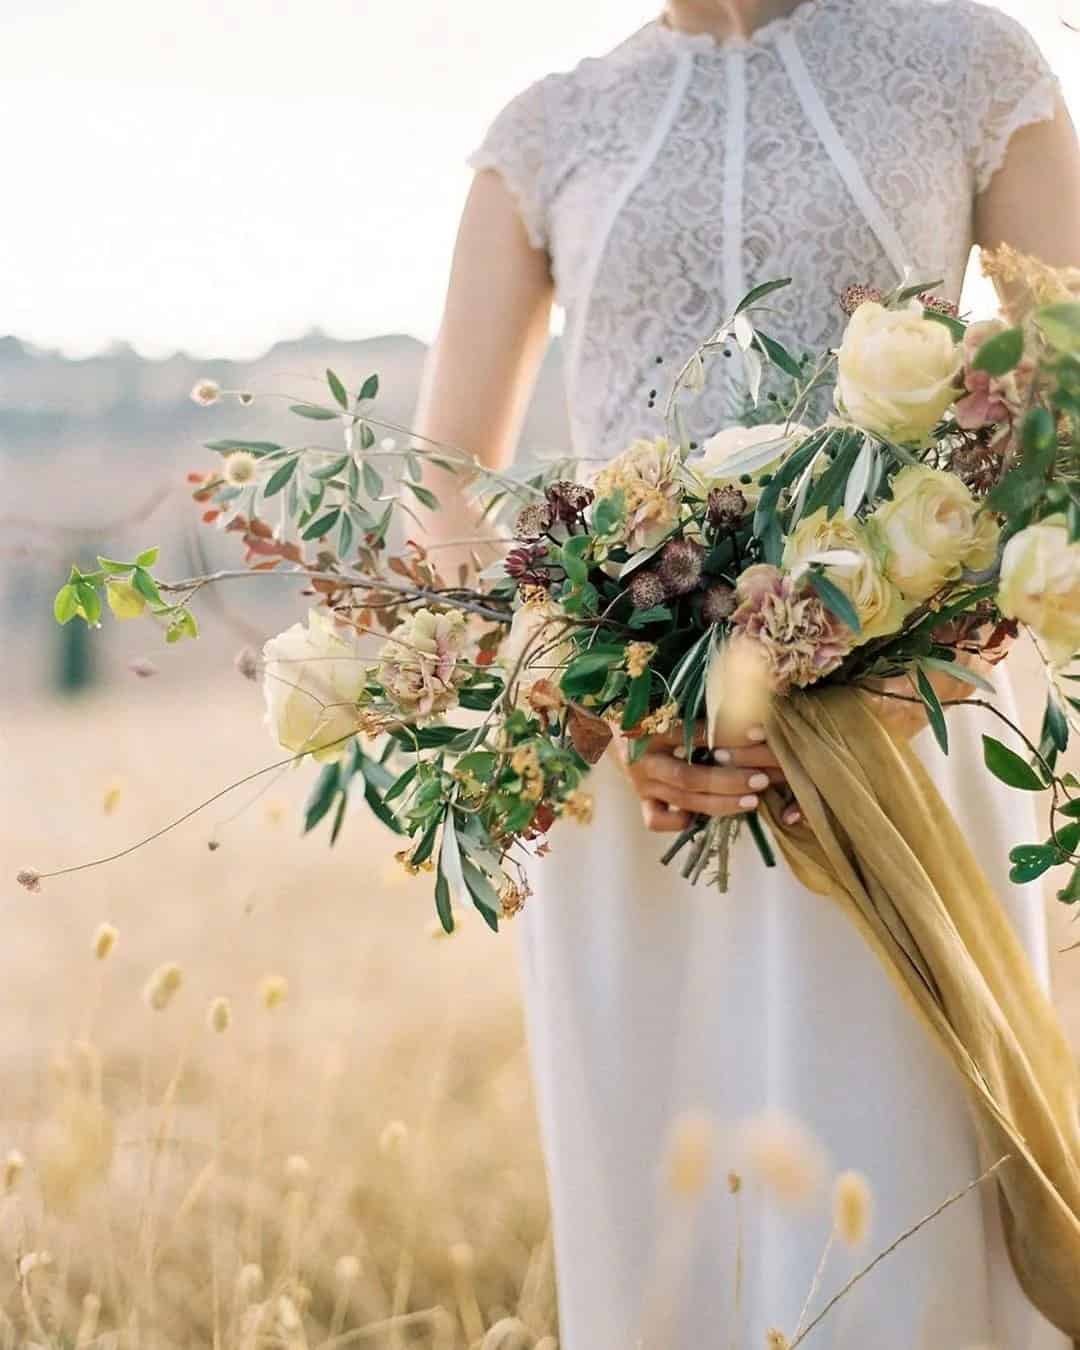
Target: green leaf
x,y
641,618
330,470
256,447
89,601
1072,520
1070,809
367,436
586,672
314,412
322,796
337,389
1070,893
148,557
373,481
426,847
112,565
426,738
323,525
379,808
955,327
1030,861
935,713
345,538
370,388
637,700
915,289
1017,493
834,599
1060,325
443,906
1001,353
608,512
423,495
280,477
183,625
760,292
830,488
779,356
1007,765
66,604
483,893
956,671
1055,727
1066,841
1040,438
145,584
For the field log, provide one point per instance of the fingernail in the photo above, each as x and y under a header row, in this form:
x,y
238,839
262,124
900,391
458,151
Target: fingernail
x,y
673,810
679,752
756,734
758,781
722,756
748,803
792,816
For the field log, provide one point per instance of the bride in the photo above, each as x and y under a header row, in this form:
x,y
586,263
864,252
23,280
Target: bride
x,y
721,145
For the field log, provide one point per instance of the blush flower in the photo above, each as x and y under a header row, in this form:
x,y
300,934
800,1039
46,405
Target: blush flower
x,y
801,641
990,398
420,667
647,476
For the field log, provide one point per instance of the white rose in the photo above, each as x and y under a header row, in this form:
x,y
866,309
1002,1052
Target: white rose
x,y
536,648
313,678
1040,586
876,600
897,372
419,667
740,451
931,531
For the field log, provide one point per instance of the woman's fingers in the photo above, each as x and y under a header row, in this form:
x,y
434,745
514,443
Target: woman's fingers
x,y
661,819
740,757
666,771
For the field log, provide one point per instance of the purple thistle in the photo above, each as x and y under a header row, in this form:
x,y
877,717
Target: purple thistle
x,y
647,590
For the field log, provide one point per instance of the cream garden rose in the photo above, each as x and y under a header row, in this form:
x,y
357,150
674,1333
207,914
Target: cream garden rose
x,y
313,679
1040,586
647,475
536,647
420,666
877,601
931,531
897,372
723,456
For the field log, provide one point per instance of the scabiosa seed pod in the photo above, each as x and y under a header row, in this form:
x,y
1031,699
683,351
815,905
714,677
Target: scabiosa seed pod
x,y
680,566
726,506
853,296
979,465
567,500
939,305
523,564
534,521
647,590
719,603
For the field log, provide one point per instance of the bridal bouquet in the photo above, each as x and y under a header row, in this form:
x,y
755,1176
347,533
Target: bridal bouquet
x,y
933,511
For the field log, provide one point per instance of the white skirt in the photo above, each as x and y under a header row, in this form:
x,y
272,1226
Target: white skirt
x,y
647,998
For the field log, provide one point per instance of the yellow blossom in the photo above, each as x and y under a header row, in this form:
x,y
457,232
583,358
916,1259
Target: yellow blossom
x,y
104,941
638,656
162,985
579,806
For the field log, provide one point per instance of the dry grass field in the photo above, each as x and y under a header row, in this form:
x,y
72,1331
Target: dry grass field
x,y
355,1165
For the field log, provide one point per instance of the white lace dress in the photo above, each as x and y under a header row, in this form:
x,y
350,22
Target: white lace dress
x,y
845,143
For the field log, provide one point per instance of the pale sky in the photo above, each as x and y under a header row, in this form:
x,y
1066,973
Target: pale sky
x,y
218,177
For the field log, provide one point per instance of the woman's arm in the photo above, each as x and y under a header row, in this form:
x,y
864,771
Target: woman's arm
x,y
481,369
1033,201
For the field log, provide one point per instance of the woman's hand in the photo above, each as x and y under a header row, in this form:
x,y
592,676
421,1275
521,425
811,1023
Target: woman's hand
x,y
673,791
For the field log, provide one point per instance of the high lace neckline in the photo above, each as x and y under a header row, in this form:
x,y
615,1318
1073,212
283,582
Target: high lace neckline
x,y
680,40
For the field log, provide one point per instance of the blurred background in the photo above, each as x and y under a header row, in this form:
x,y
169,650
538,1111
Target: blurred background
x,y
249,193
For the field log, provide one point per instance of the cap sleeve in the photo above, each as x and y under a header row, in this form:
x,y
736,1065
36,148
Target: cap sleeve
x,y
1009,85
516,147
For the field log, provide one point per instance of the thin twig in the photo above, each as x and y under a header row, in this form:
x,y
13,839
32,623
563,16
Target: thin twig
x,y
947,1204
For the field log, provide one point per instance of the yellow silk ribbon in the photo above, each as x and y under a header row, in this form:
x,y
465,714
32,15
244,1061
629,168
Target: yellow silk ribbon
x,y
879,839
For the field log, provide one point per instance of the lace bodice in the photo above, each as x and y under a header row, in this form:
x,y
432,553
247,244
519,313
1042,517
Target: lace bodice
x,y
844,143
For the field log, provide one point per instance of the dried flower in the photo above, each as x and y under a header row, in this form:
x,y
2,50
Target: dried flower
x,y
648,477
297,1170
534,521
522,565
939,304
512,897
854,296
241,468
852,1207
412,868
801,640
681,565
394,1139
219,1015
12,1171
567,500
246,662
162,986
979,463
245,397
206,392
734,1183
422,666
786,1158
638,656
30,879
660,722
718,603
104,941
1029,278
347,1269
579,806
726,506
690,1155
647,590
776,1340
273,991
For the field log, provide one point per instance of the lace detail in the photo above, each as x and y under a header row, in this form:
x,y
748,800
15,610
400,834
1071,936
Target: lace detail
x,y
627,172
